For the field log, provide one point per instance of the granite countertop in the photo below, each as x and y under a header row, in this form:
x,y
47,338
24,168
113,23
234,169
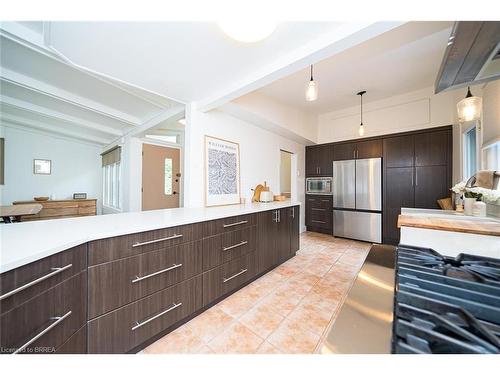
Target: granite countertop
x,y
26,242
448,221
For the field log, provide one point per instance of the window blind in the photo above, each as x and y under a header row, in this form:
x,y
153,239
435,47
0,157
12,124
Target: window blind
x,y
111,156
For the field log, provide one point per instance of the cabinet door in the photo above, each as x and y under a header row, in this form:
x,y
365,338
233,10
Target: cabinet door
x,y
369,149
398,193
266,238
398,151
344,151
432,148
325,159
431,183
295,231
312,161
284,233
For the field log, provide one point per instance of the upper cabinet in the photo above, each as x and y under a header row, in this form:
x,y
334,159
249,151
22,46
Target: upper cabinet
x,y
398,151
432,148
319,160
358,150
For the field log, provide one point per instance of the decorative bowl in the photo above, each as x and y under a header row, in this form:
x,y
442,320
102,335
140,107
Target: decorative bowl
x,y
41,199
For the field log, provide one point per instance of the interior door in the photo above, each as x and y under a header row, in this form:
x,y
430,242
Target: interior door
x,y
160,177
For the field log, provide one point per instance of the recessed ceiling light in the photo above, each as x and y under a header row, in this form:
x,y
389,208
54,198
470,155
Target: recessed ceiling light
x,y
247,31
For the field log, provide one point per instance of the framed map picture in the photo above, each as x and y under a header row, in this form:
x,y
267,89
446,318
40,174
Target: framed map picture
x,y
222,172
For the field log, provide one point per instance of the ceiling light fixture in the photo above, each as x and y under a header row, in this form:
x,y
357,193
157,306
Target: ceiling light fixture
x,y
361,129
469,108
312,89
247,31
182,121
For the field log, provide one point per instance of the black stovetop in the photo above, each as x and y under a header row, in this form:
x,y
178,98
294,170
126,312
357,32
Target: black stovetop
x,y
445,305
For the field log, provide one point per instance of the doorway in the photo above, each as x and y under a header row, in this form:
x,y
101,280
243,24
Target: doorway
x,y
160,177
286,173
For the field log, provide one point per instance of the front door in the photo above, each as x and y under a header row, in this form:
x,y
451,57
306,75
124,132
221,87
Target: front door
x,y
160,177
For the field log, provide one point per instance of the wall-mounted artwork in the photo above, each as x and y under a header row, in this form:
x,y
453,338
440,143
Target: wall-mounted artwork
x,y
42,166
222,172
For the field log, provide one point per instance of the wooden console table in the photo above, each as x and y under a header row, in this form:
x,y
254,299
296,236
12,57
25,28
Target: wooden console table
x,y
57,209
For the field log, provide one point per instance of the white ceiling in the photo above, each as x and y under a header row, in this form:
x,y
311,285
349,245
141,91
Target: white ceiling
x,y
402,60
186,61
39,90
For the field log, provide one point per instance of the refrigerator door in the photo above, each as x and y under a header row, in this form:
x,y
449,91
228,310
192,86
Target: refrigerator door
x,y
364,226
344,184
369,184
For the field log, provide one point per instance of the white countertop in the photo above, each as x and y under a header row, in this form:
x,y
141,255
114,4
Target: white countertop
x,y
26,242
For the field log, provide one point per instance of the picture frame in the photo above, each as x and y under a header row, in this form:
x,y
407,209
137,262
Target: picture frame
x,y
222,172
42,166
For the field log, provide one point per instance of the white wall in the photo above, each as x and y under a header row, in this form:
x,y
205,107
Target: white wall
x,y
491,112
76,166
259,154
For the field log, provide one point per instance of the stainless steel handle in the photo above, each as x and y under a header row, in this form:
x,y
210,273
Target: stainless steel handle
x,y
233,224
225,280
275,218
293,212
158,240
140,278
319,170
416,178
138,325
318,221
412,179
54,272
58,319
354,154
279,215
233,246
325,200
318,209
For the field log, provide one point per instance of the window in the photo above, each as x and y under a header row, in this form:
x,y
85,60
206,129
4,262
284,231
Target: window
x,y
470,152
492,156
168,176
111,172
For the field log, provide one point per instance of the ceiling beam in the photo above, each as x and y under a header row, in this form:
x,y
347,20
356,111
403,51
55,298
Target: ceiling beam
x,y
175,112
40,87
42,126
44,112
340,39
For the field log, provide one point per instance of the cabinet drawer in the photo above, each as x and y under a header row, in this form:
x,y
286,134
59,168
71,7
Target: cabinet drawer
x,y
117,283
76,344
228,277
45,322
320,219
325,202
108,249
122,330
228,246
228,224
23,283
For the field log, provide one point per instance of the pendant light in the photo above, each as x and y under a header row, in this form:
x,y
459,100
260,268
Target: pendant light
x,y
469,108
361,129
312,89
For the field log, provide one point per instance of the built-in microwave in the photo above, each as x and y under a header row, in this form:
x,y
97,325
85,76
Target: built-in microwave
x,y
319,185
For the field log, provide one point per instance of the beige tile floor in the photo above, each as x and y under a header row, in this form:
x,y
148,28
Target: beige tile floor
x,y
285,311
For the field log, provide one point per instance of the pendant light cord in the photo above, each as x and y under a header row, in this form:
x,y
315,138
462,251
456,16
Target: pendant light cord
x,y
361,109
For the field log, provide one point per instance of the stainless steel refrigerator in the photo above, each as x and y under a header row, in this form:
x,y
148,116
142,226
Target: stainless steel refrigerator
x,y
357,199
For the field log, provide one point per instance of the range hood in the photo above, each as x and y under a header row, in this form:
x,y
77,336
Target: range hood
x,y
472,55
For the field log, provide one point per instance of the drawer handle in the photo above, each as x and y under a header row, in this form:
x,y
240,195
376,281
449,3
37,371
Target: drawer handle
x,y
225,280
233,224
158,240
318,221
138,325
325,200
54,272
233,246
318,209
58,319
140,278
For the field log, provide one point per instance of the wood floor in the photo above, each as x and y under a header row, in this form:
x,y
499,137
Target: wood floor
x,y
284,312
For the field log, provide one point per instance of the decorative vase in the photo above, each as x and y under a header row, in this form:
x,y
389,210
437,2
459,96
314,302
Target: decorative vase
x,y
479,209
468,204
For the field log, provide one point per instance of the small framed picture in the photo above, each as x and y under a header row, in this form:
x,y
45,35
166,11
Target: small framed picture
x,y
222,172
42,166
79,195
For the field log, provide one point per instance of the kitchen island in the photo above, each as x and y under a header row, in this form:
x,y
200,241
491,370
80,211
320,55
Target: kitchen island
x,y
115,283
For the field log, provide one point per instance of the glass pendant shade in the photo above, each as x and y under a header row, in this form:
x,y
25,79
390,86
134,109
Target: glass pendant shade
x,y
469,108
311,91
361,130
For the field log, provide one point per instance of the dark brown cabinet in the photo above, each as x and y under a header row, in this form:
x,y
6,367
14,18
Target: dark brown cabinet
x,y
358,150
417,172
319,213
319,160
140,286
